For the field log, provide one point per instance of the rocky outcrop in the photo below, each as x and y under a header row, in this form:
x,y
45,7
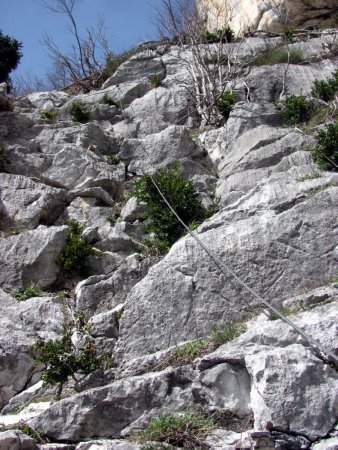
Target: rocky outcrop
x,y
273,16
275,228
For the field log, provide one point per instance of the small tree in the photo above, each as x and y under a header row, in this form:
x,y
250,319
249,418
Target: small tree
x,y
181,195
10,55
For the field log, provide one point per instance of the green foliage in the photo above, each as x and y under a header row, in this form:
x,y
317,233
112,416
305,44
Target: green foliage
x,y
24,293
285,312
48,114
107,100
288,33
190,350
326,90
188,430
278,55
3,158
326,151
310,176
181,195
155,80
225,102
79,112
62,360
296,109
224,35
76,251
10,55
113,160
227,334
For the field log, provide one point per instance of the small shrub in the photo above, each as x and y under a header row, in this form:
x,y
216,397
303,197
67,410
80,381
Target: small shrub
x,y
76,251
278,55
113,160
3,158
296,109
326,151
189,350
79,112
225,103
310,176
48,114
24,293
326,90
107,100
224,35
227,334
181,195
285,312
155,80
288,33
188,431
62,360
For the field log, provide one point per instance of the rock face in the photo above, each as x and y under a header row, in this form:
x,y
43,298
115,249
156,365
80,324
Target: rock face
x,y
253,15
166,327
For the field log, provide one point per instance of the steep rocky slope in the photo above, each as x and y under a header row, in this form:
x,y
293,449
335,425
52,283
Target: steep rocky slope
x,y
276,228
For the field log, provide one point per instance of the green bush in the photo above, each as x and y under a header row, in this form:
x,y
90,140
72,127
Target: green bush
x,y
155,80
188,430
326,151
79,112
225,103
189,350
24,293
296,109
3,158
113,160
76,251
10,55
107,100
48,114
227,334
326,90
278,55
62,360
181,195
224,35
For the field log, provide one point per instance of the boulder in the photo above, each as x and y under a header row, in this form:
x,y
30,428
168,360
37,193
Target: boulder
x,y
25,203
29,257
16,440
22,323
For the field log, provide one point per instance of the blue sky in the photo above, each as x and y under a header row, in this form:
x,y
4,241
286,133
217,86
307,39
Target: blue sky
x,y
127,21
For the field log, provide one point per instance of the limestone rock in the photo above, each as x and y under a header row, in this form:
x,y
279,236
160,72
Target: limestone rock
x,y
114,444
257,15
130,401
5,102
22,323
29,257
133,210
25,203
326,444
16,440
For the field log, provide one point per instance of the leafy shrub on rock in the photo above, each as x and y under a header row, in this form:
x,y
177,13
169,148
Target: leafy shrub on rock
x,y
79,112
24,293
225,103
107,100
48,114
76,251
62,360
326,90
296,109
180,194
188,430
326,152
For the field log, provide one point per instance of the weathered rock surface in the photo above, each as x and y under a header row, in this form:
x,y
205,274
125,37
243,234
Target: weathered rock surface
x,y
21,324
276,229
16,440
29,257
256,15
